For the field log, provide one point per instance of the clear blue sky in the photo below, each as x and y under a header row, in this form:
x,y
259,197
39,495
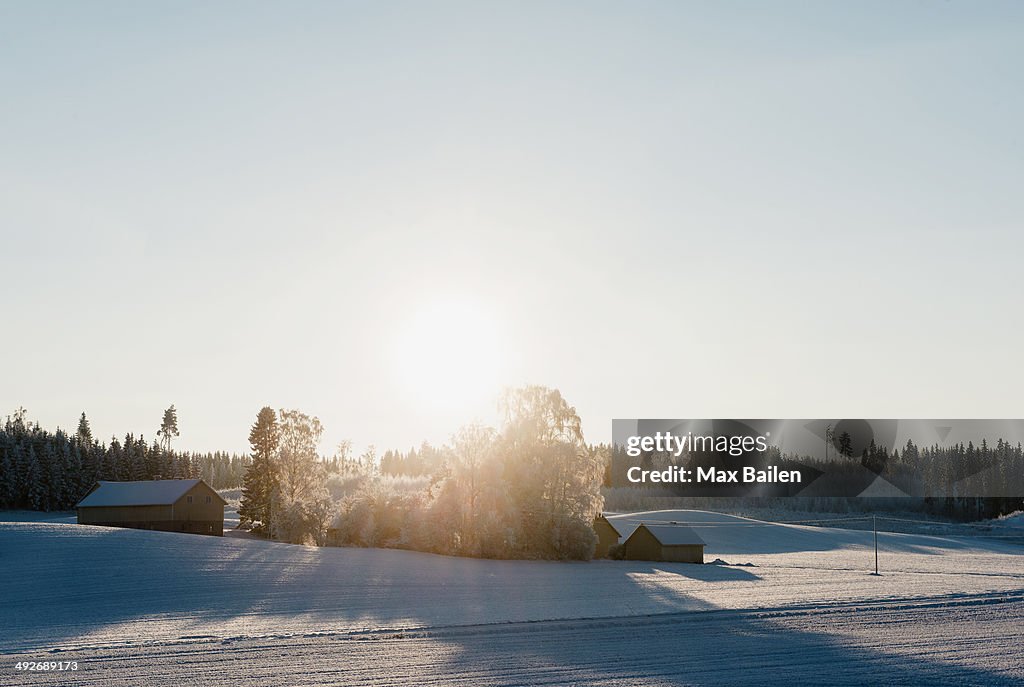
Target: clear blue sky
x,y
663,209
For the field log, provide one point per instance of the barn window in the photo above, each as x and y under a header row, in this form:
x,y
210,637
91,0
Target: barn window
x,y
207,499
190,499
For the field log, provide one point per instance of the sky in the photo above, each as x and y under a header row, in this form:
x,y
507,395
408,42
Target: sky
x,y
383,213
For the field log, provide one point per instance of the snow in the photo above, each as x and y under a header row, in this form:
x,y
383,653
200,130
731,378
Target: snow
x,y
673,534
735,537
154,608
65,516
147,493
623,527
1013,521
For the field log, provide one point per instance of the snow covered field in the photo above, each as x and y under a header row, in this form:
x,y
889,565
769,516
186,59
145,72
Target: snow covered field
x,y
795,605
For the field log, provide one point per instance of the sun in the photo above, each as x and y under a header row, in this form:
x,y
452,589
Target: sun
x,y
450,355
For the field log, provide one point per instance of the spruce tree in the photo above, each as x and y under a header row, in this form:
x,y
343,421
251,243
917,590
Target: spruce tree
x,y
84,433
260,479
35,489
846,445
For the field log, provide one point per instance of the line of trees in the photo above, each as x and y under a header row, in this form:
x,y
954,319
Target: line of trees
x,y
967,482
425,461
530,490
946,473
43,470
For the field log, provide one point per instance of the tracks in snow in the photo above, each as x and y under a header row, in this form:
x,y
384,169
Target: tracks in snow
x,y
967,639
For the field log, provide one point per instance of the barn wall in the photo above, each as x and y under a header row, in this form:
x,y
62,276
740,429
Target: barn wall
x,y
643,546
688,553
192,527
118,514
206,505
607,537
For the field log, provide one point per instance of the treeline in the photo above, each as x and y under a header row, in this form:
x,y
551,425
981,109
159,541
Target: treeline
x,y
950,476
529,490
965,482
986,469
945,480
43,470
425,461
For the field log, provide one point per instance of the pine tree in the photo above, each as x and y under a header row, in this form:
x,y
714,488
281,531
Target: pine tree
x,y
84,433
52,476
845,445
118,465
77,481
169,427
260,479
35,489
136,458
7,472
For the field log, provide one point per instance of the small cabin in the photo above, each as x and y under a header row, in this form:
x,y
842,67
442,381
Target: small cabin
x,y
670,542
168,505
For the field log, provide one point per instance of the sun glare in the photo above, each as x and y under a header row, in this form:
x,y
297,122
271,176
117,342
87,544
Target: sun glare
x,y
450,355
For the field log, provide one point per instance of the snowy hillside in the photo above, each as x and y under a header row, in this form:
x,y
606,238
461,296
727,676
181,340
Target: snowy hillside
x,y
104,595
1011,522
734,537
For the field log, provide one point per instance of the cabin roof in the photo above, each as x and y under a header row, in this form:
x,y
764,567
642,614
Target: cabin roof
x,y
671,534
623,527
157,492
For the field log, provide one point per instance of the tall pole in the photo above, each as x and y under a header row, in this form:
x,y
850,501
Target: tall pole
x,y
874,527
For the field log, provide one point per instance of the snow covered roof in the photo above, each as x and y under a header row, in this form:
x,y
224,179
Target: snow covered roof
x,y
673,535
157,492
623,528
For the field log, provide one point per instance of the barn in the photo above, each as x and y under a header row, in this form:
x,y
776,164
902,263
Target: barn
x,y
169,505
664,542
609,533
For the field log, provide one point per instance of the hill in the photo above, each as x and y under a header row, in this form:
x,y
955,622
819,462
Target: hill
x,y
732,535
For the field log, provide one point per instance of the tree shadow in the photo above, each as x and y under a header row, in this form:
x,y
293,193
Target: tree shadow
x,y
704,645
622,622
96,585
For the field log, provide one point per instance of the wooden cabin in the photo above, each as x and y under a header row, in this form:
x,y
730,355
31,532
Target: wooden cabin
x,y
669,542
169,505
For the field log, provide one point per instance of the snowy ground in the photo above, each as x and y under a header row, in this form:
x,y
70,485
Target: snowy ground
x,y
795,605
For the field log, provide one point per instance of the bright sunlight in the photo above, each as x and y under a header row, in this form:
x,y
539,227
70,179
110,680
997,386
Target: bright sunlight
x,y
450,355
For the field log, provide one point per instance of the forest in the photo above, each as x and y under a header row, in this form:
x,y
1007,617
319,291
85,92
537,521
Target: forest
x,y
47,471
